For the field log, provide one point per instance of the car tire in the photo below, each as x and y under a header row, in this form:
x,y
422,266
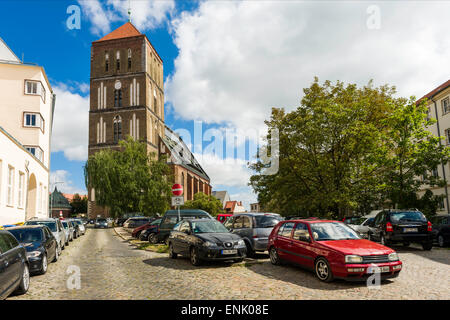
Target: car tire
x,y
427,246
440,240
44,265
323,270
195,260
153,238
250,251
172,254
25,281
56,258
138,235
274,257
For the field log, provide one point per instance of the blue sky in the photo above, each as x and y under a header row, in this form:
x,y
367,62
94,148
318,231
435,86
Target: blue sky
x,y
227,63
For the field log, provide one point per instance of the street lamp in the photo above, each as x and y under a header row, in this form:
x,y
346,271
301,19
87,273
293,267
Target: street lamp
x,y
51,197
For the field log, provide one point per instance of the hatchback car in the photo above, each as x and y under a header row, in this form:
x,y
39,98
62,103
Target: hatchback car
x,y
101,223
40,244
332,250
151,231
81,227
254,228
134,222
402,226
205,239
69,229
56,228
362,226
441,230
136,233
14,269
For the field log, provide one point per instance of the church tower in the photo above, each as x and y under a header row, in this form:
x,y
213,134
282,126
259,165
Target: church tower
x,y
126,95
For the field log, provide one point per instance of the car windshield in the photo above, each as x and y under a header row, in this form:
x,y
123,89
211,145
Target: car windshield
x,y
27,235
268,221
101,220
408,216
323,231
208,226
50,224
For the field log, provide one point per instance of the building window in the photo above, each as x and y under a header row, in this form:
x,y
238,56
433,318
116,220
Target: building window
x,y
441,204
35,88
117,129
428,114
129,59
36,151
447,136
20,193
435,172
34,120
118,60
118,98
106,61
10,196
445,103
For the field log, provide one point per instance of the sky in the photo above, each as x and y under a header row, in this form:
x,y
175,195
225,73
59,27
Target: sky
x,y
227,63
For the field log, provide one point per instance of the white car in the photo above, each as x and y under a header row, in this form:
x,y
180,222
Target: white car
x,y
80,225
55,226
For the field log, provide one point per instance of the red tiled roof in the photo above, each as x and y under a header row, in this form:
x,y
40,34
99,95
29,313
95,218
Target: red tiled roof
x,y
436,90
125,31
69,196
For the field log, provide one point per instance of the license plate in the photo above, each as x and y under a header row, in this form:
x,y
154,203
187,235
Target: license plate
x,y
381,269
409,229
229,251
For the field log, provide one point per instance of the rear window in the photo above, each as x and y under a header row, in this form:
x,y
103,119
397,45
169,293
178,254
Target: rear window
x,y
408,216
27,235
51,225
267,221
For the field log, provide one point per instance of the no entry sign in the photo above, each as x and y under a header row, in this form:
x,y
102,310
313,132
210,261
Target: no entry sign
x,y
177,189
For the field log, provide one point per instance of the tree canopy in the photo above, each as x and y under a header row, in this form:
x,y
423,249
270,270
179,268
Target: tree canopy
x,y
202,201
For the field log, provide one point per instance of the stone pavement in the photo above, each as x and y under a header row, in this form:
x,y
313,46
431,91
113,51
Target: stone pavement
x,y
111,268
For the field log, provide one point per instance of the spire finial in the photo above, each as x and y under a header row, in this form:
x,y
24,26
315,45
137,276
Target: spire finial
x,y
129,10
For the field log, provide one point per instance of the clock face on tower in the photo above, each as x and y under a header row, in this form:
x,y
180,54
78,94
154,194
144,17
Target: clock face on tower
x,y
117,85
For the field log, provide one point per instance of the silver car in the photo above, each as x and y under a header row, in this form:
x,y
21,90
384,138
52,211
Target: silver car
x,y
81,226
68,227
254,228
362,226
55,226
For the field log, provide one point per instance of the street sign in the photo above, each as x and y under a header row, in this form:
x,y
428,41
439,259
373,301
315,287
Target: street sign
x,y
177,189
177,201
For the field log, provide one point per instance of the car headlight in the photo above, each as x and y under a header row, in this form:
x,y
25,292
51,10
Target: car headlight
x,y
208,244
393,256
33,254
353,259
241,243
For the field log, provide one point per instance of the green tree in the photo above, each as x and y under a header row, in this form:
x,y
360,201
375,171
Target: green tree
x,y
129,180
79,204
202,201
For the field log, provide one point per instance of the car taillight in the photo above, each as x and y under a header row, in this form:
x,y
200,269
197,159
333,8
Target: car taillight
x,y
429,228
389,227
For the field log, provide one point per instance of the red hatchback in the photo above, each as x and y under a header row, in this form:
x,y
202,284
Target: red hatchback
x,y
331,249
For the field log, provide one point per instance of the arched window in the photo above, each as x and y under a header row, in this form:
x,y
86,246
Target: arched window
x,y
117,129
118,60
182,179
106,61
129,59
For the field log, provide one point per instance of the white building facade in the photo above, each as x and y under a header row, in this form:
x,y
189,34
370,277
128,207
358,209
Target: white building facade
x,y
25,130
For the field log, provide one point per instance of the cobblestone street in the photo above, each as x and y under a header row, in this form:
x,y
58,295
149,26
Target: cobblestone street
x,y
111,268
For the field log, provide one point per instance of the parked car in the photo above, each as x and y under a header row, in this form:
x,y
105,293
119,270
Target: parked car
x,y
362,226
56,228
150,232
254,228
351,219
170,219
441,229
205,239
120,221
331,249
222,217
137,231
40,244
81,227
14,269
134,222
101,223
402,226
69,230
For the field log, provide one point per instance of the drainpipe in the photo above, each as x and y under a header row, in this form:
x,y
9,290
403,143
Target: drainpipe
x,y
440,144
28,184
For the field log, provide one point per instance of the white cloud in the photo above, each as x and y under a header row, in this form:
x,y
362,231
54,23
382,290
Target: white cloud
x,y
70,124
237,59
67,185
246,196
145,14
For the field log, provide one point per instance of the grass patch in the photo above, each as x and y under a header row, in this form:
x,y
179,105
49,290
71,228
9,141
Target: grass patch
x,y
159,248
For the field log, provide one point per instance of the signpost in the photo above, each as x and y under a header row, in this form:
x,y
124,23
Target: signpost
x,y
177,199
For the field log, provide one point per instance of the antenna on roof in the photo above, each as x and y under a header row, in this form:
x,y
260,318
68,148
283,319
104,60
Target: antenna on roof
x,y
129,10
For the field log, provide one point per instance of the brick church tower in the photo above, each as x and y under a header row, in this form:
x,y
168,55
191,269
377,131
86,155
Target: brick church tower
x,y
126,95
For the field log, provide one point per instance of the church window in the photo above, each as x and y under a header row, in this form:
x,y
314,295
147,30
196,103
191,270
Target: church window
x,y
117,129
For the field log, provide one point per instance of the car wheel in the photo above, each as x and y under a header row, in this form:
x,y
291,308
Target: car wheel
x,y
274,258
441,241
57,253
195,260
323,270
172,254
138,235
25,281
427,246
152,238
44,265
250,251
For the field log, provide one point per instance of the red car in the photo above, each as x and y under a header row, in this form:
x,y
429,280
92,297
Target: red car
x,y
137,231
222,217
331,249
